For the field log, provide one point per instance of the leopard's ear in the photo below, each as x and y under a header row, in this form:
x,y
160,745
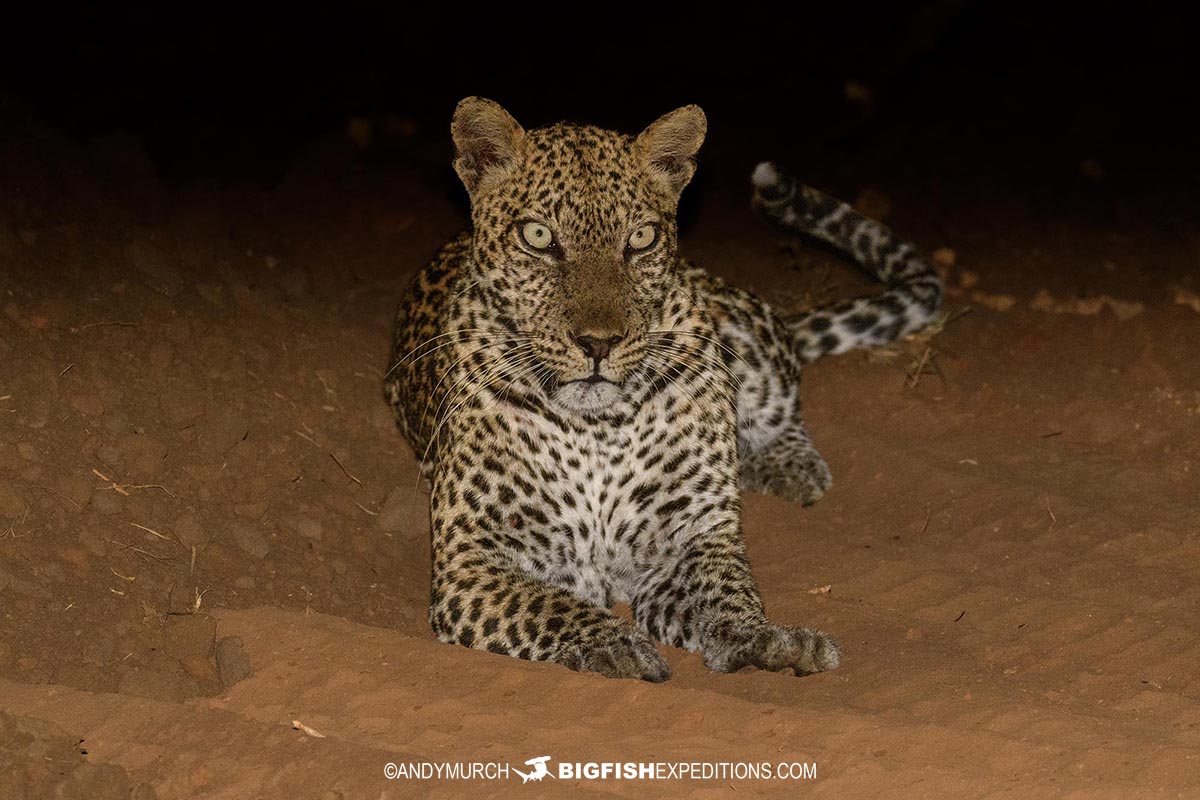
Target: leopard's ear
x,y
487,140
670,144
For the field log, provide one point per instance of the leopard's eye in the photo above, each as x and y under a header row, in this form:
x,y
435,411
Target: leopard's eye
x,y
643,237
537,236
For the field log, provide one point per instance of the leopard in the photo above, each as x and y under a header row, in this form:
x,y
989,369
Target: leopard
x,y
587,405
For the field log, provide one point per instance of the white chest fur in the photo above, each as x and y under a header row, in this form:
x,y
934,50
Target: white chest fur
x,y
605,487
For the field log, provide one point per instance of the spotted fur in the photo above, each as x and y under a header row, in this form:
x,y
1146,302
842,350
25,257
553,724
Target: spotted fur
x,y
587,412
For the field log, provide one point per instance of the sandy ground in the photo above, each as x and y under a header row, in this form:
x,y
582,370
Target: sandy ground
x,y
198,477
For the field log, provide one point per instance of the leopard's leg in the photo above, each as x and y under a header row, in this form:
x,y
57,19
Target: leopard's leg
x,y
776,454
479,602
702,596
789,466
766,351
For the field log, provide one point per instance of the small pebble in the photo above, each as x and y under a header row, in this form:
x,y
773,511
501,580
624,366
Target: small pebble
x,y
107,501
11,504
251,540
308,528
233,665
191,635
220,430
189,532
404,511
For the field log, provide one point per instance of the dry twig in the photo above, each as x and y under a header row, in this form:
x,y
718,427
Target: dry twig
x,y
338,461
150,530
297,725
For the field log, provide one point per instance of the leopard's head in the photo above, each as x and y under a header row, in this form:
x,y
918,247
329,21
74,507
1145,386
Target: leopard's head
x,y
575,243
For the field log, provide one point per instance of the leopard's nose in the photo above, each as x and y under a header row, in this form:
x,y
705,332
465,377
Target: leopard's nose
x,y
597,348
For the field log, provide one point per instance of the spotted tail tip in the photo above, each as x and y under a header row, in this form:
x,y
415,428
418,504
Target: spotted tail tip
x,y
765,175
772,186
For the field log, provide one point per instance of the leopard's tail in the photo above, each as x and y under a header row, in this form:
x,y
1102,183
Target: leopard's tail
x,y
914,292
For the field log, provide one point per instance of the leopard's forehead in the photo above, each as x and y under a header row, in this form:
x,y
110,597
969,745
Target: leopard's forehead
x,y
584,150
587,179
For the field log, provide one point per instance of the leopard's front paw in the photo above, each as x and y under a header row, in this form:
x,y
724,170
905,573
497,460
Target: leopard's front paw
x,y
616,654
804,650
774,648
804,488
803,479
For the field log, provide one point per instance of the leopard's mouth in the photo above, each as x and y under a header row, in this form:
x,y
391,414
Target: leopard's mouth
x,y
593,395
575,387
591,381
597,377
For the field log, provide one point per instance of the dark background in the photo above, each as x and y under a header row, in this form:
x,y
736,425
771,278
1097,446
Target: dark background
x,y
1026,92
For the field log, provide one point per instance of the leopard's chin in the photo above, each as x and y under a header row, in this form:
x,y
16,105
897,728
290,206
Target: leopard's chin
x,y
594,398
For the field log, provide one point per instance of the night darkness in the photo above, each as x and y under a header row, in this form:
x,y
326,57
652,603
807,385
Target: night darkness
x,y
208,215
239,94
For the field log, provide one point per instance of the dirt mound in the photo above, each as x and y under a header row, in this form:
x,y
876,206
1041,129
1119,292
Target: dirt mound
x,y
37,760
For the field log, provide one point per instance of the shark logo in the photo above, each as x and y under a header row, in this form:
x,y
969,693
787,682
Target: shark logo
x,y
538,772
